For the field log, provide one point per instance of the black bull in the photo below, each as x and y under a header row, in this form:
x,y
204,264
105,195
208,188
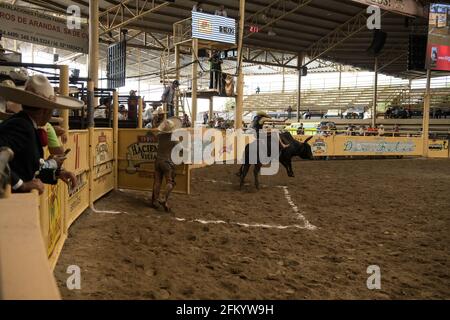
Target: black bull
x,y
294,148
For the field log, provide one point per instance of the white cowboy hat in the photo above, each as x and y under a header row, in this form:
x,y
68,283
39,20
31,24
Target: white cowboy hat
x,y
158,111
38,93
170,125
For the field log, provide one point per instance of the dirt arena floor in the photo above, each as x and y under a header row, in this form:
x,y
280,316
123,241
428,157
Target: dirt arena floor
x,y
310,237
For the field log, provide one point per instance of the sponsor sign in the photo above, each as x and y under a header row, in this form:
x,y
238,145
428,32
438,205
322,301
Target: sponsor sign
x,y
438,50
31,26
379,147
405,7
215,28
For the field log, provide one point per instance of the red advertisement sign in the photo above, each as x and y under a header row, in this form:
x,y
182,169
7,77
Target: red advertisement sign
x,y
439,57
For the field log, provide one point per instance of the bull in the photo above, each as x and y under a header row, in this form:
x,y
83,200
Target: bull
x,y
289,148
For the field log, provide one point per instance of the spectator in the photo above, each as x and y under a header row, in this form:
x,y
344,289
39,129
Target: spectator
x,y
258,90
205,118
301,130
186,122
396,130
388,113
123,112
169,96
148,116
307,114
102,111
221,11
361,130
215,65
381,130
158,117
197,7
289,111
21,134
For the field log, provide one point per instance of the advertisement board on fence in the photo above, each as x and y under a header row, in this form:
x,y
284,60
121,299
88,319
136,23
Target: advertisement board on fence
x,y
17,22
103,171
137,154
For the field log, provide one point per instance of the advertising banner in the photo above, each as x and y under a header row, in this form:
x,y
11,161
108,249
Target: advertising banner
x,y
214,28
438,50
31,26
405,7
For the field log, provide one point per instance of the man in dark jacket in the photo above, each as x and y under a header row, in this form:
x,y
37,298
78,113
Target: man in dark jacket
x,y
22,135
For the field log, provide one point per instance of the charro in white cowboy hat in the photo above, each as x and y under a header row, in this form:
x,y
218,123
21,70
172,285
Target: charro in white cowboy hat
x,y
38,93
159,111
170,125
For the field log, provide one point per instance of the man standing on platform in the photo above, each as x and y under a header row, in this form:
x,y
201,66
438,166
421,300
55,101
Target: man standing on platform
x,y
168,98
215,64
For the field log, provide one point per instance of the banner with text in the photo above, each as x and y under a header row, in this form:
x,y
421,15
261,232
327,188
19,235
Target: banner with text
x,y
31,26
405,7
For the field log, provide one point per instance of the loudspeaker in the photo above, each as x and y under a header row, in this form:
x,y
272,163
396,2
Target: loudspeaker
x,y
378,42
417,52
304,71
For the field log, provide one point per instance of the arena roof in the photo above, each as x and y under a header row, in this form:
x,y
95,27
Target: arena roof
x,y
299,25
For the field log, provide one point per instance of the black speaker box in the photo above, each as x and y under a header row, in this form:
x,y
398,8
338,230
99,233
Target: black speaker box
x,y
417,52
378,42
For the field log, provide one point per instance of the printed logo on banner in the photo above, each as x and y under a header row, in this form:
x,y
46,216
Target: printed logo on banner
x,y
101,150
319,147
54,214
379,146
205,26
438,146
143,151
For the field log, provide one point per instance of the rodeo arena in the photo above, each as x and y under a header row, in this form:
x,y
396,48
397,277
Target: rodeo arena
x,y
224,150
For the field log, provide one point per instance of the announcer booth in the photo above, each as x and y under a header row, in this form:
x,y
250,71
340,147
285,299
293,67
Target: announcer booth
x,y
204,32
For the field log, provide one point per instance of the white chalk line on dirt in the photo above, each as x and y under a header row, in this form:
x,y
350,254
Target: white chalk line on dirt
x,y
296,210
245,225
287,195
299,215
218,222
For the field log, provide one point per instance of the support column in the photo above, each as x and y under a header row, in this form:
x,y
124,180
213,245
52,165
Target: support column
x,y
299,88
375,95
426,115
93,41
211,108
64,91
194,81
116,138
177,77
240,81
140,112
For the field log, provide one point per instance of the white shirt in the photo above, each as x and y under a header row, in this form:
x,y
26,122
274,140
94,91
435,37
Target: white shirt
x,y
196,9
100,112
148,114
222,13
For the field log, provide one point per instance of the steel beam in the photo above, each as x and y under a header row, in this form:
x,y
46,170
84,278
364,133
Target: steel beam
x,y
336,37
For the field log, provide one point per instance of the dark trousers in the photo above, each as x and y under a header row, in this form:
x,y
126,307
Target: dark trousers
x,y
170,110
214,79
